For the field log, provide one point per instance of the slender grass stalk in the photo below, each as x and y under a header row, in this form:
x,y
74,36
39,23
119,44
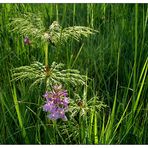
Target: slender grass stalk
x,y
143,36
136,47
57,12
102,131
84,122
92,16
4,128
112,119
74,13
120,121
63,14
77,55
48,136
144,73
19,116
88,11
60,135
54,131
81,129
91,125
95,129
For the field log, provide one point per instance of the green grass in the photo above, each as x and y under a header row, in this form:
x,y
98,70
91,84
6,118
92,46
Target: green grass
x,y
115,59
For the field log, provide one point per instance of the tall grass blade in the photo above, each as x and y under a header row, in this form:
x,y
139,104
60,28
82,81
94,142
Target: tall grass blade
x,y
19,116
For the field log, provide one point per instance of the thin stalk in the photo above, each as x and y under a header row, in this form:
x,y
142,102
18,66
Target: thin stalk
x,y
91,125
84,121
95,129
92,16
102,130
135,56
5,128
54,131
57,12
88,11
112,118
120,121
74,13
46,63
143,37
94,123
145,67
91,122
19,116
78,55
46,54
81,128
43,125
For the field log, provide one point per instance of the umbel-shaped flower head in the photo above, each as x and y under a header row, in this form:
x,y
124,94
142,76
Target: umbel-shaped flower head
x,y
56,103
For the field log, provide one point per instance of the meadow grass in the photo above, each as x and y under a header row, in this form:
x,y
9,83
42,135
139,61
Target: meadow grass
x,y
115,59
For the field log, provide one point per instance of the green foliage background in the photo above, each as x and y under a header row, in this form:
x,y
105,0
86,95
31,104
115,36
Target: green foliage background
x,y
115,59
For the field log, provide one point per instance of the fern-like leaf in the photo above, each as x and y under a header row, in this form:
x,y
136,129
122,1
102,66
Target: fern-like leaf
x,y
37,72
33,26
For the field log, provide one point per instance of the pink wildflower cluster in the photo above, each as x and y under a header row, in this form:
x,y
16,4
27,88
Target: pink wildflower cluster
x,y
56,103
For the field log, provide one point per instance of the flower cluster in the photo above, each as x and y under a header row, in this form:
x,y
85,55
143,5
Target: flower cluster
x,y
27,41
56,103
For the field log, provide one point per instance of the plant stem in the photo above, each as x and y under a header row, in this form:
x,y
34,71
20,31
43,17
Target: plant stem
x,y
19,116
46,63
46,54
54,131
135,56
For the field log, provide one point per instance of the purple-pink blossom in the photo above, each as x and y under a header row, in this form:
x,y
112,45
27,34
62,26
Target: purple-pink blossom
x,y
27,41
56,103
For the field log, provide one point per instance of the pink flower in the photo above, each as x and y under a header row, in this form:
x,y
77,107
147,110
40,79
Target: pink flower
x,y
56,103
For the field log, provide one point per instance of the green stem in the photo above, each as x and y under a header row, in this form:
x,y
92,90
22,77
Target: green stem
x,y
46,54
46,62
19,115
54,131
95,129
135,57
81,128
